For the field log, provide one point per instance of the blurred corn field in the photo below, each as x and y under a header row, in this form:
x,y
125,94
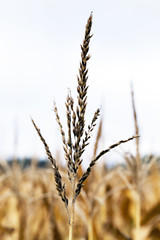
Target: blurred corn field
x,y
106,208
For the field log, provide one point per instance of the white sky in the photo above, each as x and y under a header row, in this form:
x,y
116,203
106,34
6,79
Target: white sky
x,y
39,60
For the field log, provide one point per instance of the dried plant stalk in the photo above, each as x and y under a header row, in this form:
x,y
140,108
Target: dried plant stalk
x,y
57,176
137,173
79,123
78,138
88,171
97,139
136,128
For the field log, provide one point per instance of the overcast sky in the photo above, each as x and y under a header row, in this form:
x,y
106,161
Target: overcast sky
x,y
39,60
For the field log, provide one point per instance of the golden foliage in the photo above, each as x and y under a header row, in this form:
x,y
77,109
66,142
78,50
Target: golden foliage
x,y
106,208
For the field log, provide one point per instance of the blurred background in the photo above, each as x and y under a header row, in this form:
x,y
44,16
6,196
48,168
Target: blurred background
x,y
39,60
